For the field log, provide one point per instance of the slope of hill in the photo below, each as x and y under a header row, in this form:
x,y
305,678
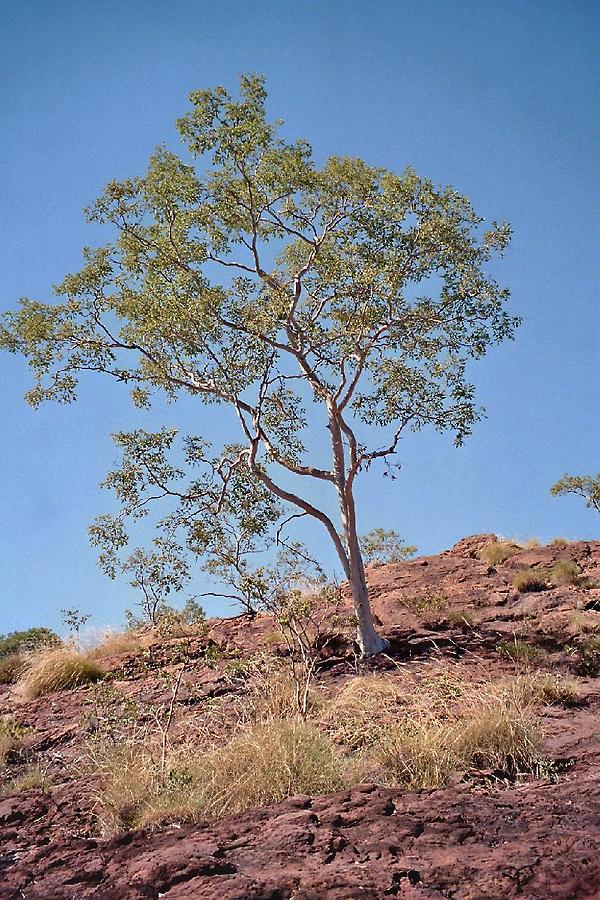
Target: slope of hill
x,y
529,827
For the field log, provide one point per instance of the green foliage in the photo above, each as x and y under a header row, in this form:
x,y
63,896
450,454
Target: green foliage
x,y
518,651
378,300
584,486
73,619
527,580
588,656
23,641
385,546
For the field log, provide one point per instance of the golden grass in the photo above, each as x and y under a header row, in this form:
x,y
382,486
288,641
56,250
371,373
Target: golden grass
x,y
543,687
263,764
11,667
530,544
413,729
363,707
529,580
565,572
415,732
115,643
57,670
272,695
497,552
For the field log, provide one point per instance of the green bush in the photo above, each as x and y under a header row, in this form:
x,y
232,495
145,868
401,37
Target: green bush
x,y
23,641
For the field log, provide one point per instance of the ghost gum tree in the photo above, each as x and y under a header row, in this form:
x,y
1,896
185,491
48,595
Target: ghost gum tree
x,y
247,276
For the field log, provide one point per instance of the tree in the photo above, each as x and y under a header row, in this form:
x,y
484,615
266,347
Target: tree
x,y
345,298
582,485
382,545
74,620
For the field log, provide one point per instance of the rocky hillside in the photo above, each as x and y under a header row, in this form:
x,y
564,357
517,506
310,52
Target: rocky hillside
x,y
528,827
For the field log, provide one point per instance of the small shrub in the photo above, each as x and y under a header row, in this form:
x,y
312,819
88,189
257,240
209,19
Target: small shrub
x,y
518,651
461,618
499,734
497,552
429,605
530,580
10,738
11,667
417,754
34,779
57,670
24,641
559,542
565,572
588,656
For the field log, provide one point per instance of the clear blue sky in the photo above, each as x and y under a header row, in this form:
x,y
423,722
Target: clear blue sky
x,y
499,99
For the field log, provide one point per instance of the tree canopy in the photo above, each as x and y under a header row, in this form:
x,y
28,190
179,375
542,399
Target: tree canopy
x,y
584,486
247,275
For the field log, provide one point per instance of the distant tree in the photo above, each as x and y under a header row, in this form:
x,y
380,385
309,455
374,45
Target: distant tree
x,y
342,299
582,485
383,545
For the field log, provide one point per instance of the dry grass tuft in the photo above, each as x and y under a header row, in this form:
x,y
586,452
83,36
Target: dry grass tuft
x,y
415,732
364,706
11,667
530,544
498,733
35,778
565,572
262,764
497,552
416,754
10,738
272,695
530,580
116,643
57,670
540,687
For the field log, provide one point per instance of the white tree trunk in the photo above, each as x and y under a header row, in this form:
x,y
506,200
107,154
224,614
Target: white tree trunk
x,y
369,641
